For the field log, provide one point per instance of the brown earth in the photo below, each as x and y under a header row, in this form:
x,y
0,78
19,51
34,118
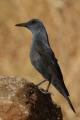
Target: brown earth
x,y
23,100
62,20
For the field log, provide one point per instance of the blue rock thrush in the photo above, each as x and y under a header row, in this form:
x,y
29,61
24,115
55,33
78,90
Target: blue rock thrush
x,y
43,58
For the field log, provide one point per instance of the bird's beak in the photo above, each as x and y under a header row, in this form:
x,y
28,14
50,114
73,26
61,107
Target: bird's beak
x,y
22,25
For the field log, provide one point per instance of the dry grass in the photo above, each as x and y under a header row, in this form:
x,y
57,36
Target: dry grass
x,y
62,20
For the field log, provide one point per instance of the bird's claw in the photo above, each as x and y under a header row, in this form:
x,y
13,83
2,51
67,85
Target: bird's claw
x,y
44,91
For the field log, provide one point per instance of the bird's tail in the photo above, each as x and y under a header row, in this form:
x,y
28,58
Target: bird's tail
x,y
69,101
60,86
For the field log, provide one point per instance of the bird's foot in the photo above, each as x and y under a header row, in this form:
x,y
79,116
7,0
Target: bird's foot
x,y
44,91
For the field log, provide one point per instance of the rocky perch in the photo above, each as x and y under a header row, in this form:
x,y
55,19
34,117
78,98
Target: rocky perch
x,y
22,100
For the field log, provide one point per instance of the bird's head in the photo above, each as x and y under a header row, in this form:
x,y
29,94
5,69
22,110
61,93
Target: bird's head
x,y
34,25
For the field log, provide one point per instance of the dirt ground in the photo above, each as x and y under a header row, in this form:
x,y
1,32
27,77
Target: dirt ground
x,y
62,21
23,100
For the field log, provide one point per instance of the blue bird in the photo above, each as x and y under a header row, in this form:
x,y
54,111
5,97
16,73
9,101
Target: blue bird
x,y
43,59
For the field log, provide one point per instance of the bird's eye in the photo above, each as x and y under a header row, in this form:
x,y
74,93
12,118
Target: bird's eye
x,y
33,21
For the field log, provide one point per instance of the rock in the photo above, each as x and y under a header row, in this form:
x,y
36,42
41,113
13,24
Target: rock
x,y
23,100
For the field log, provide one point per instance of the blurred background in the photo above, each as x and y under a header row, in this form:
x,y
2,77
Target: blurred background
x,y
62,21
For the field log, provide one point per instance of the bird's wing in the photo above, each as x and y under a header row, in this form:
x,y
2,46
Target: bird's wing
x,y
56,65
49,58
47,54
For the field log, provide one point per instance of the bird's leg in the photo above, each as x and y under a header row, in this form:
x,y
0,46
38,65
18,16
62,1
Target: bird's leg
x,y
41,82
45,91
48,86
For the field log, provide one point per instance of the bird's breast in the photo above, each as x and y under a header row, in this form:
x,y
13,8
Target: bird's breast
x,y
34,56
